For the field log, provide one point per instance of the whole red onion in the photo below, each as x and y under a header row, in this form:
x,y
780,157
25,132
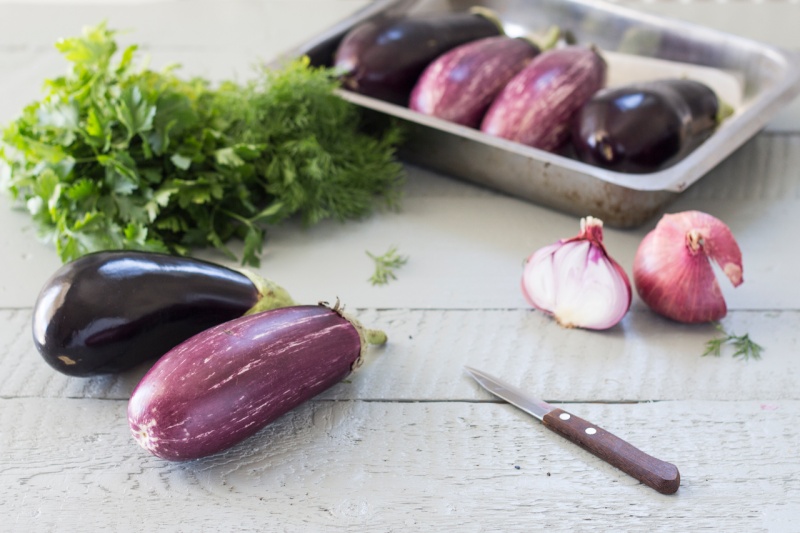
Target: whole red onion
x,y
672,268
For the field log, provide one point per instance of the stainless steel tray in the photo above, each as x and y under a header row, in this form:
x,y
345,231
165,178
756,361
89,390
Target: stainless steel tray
x,y
768,78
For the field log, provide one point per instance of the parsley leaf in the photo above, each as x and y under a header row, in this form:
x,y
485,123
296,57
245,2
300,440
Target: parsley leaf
x,y
116,156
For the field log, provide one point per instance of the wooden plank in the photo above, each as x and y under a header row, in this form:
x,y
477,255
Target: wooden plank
x,y
222,40
465,251
409,442
386,466
247,31
240,23
237,25
644,358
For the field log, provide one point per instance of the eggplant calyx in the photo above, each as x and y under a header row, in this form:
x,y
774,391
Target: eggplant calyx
x,y
546,40
270,294
375,337
725,110
366,336
489,15
597,51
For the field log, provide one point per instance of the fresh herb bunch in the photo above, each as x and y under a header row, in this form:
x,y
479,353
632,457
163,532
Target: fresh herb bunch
x,y
116,156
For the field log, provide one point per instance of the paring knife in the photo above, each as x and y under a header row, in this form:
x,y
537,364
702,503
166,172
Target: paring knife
x,y
660,475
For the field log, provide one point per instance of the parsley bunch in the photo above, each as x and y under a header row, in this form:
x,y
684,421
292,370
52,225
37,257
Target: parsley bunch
x,y
116,156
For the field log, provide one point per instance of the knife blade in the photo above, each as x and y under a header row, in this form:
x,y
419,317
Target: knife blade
x,y
655,473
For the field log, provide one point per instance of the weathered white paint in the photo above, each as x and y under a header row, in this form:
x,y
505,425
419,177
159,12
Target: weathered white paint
x,y
409,442
644,358
466,245
391,466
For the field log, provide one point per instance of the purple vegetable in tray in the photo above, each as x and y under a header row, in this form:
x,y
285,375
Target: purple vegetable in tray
x,y
225,384
459,85
647,126
383,58
536,107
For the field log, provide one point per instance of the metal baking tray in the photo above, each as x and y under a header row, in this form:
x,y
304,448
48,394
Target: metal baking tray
x,y
764,79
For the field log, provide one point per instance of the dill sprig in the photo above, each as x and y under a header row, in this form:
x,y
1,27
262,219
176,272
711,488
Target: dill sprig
x,y
744,346
385,266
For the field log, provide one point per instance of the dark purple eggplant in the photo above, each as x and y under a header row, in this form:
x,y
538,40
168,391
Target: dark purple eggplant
x,y
644,127
536,107
107,312
225,384
459,85
383,58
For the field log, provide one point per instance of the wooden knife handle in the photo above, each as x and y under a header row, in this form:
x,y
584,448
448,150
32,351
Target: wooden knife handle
x,y
662,476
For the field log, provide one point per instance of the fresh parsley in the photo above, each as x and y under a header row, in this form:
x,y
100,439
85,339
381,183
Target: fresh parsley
x,y
385,266
744,346
117,156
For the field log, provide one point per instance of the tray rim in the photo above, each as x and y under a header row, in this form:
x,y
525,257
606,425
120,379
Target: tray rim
x,y
731,134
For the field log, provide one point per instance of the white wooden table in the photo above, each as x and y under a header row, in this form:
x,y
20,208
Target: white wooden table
x,y
410,443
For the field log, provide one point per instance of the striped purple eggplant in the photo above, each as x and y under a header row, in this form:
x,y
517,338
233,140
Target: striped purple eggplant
x,y
459,85
536,107
225,384
383,58
107,312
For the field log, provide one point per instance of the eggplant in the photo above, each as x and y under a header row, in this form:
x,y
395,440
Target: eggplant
x,y
536,107
225,384
383,58
647,126
107,312
459,85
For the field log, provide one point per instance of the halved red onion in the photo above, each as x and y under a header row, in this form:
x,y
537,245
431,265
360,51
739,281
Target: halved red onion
x,y
577,282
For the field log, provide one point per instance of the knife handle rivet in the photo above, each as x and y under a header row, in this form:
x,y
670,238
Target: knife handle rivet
x,y
564,416
591,431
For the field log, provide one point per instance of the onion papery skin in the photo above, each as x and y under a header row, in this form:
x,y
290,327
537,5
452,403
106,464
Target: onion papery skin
x,y
577,282
672,268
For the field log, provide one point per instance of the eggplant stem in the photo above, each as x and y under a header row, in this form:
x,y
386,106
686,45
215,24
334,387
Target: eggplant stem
x,y
376,336
546,40
271,295
367,337
725,110
490,15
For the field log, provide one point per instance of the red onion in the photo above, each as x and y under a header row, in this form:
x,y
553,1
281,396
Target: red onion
x,y
577,282
672,268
